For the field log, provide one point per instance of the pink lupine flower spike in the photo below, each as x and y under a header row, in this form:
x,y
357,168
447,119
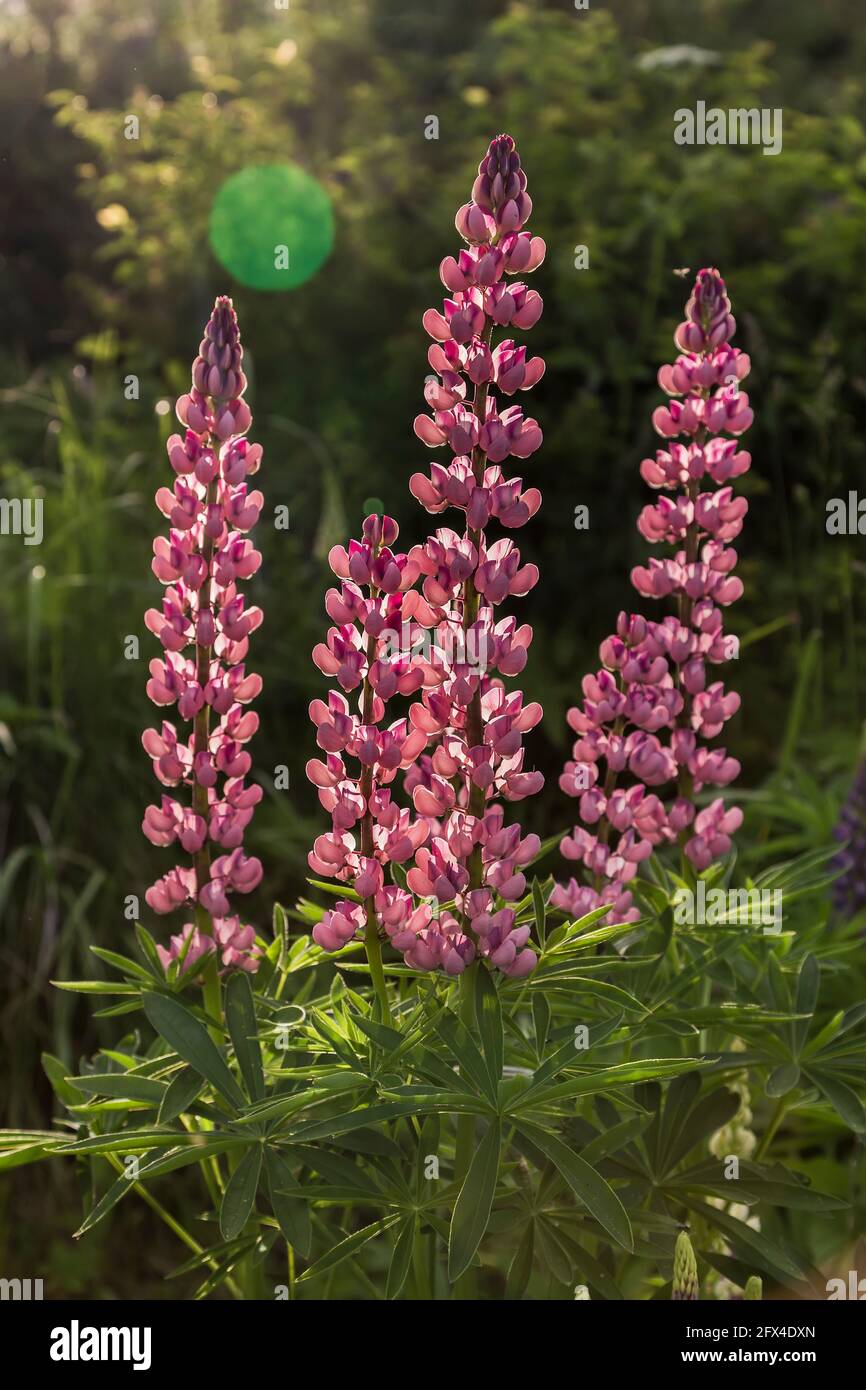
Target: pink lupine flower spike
x,y
437,874
649,713
204,626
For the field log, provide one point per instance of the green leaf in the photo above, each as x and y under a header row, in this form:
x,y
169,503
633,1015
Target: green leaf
x,y
588,1186
57,1074
388,1038
462,1046
592,1270
520,1269
349,1246
147,946
679,1100
541,1023
400,1259
610,1141
94,986
472,1208
540,911
180,1093
18,1148
808,984
344,1124
126,966
292,1213
783,1079
240,1193
604,1079
844,1101
781,1263
191,1040
120,1083
240,1008
489,1012
710,1114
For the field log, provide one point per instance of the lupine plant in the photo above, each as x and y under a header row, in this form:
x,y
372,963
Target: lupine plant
x,y
441,1075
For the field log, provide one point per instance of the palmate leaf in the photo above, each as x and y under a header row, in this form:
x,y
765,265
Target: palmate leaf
x,y
588,1186
472,1208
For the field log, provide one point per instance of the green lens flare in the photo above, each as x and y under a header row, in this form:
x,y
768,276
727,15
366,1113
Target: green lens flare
x,y
271,226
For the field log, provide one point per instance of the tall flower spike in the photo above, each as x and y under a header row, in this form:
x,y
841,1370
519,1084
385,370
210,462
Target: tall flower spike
x,y
461,747
204,627
647,710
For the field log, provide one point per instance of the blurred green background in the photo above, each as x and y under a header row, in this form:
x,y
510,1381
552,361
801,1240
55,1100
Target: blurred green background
x,y
106,271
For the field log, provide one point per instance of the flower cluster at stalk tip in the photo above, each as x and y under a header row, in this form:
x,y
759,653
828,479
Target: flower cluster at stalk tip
x,y
459,745
650,711
204,626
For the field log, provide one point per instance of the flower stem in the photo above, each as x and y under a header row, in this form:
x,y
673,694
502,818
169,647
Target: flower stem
x,y
776,1119
189,1241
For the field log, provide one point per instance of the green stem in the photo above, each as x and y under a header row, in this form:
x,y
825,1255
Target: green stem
x,y
372,944
776,1119
466,1123
420,1264
189,1241
373,948
465,1146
